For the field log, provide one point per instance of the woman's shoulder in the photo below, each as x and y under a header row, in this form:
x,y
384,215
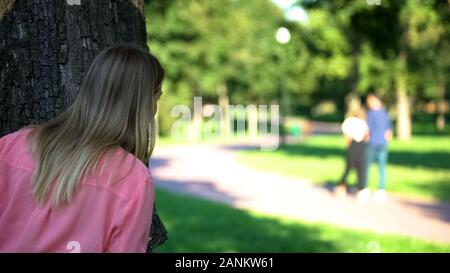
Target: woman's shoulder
x,y
122,173
16,135
13,143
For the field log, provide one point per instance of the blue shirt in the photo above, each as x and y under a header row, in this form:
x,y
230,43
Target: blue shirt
x,y
379,122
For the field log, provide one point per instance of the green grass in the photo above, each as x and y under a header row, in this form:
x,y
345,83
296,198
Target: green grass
x,y
196,225
429,128
420,167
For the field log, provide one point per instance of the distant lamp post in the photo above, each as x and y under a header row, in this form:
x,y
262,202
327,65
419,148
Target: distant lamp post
x,y
283,36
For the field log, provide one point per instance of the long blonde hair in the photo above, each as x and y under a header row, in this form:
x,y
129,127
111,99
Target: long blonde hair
x,y
115,108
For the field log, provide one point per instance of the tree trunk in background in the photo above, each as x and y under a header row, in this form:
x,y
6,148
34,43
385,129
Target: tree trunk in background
x,y
403,115
440,121
404,127
47,45
223,101
353,100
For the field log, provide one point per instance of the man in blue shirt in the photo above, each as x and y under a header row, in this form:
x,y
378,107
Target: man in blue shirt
x,y
380,133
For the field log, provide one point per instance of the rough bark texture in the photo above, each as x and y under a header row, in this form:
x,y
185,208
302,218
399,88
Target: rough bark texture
x,y
45,48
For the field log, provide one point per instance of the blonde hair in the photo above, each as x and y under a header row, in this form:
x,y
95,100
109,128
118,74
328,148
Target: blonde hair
x,y
115,108
358,113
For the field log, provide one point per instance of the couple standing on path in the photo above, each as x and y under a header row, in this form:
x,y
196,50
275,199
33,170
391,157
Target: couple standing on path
x,y
368,135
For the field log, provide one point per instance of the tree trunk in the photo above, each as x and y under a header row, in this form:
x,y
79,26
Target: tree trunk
x,y
440,121
404,127
224,101
403,115
353,100
47,45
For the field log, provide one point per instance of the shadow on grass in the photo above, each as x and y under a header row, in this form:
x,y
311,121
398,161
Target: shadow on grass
x,y
439,211
428,127
201,226
439,188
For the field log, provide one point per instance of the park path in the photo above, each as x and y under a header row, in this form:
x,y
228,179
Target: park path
x,y
212,171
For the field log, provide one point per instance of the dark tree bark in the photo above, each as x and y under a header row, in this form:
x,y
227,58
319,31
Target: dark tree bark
x,y
45,48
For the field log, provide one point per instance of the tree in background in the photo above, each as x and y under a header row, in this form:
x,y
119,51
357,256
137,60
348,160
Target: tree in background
x,y
386,42
226,52
431,62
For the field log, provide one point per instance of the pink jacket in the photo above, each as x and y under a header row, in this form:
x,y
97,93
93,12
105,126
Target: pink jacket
x,y
101,217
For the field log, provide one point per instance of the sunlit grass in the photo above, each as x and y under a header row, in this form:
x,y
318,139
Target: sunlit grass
x,y
196,225
420,167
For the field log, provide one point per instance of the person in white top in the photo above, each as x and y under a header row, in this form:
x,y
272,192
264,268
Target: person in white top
x,y
355,130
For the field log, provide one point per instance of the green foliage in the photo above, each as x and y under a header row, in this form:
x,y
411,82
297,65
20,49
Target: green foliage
x,y
207,43
346,46
377,34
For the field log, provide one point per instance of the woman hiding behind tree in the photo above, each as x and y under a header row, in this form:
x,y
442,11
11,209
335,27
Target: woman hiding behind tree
x,y
79,182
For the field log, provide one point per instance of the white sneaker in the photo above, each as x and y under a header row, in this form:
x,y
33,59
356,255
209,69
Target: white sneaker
x,y
380,196
363,195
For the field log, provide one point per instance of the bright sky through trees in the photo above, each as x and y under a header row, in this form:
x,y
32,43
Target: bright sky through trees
x,y
292,12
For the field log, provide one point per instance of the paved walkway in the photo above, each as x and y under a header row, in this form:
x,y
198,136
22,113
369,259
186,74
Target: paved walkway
x,y
212,171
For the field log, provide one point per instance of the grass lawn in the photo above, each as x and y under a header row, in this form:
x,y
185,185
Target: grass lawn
x,y
420,167
196,225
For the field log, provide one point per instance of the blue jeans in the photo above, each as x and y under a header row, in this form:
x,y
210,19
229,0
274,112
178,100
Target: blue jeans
x,y
380,155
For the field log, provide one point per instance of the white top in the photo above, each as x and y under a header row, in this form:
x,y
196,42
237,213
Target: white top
x,y
355,128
